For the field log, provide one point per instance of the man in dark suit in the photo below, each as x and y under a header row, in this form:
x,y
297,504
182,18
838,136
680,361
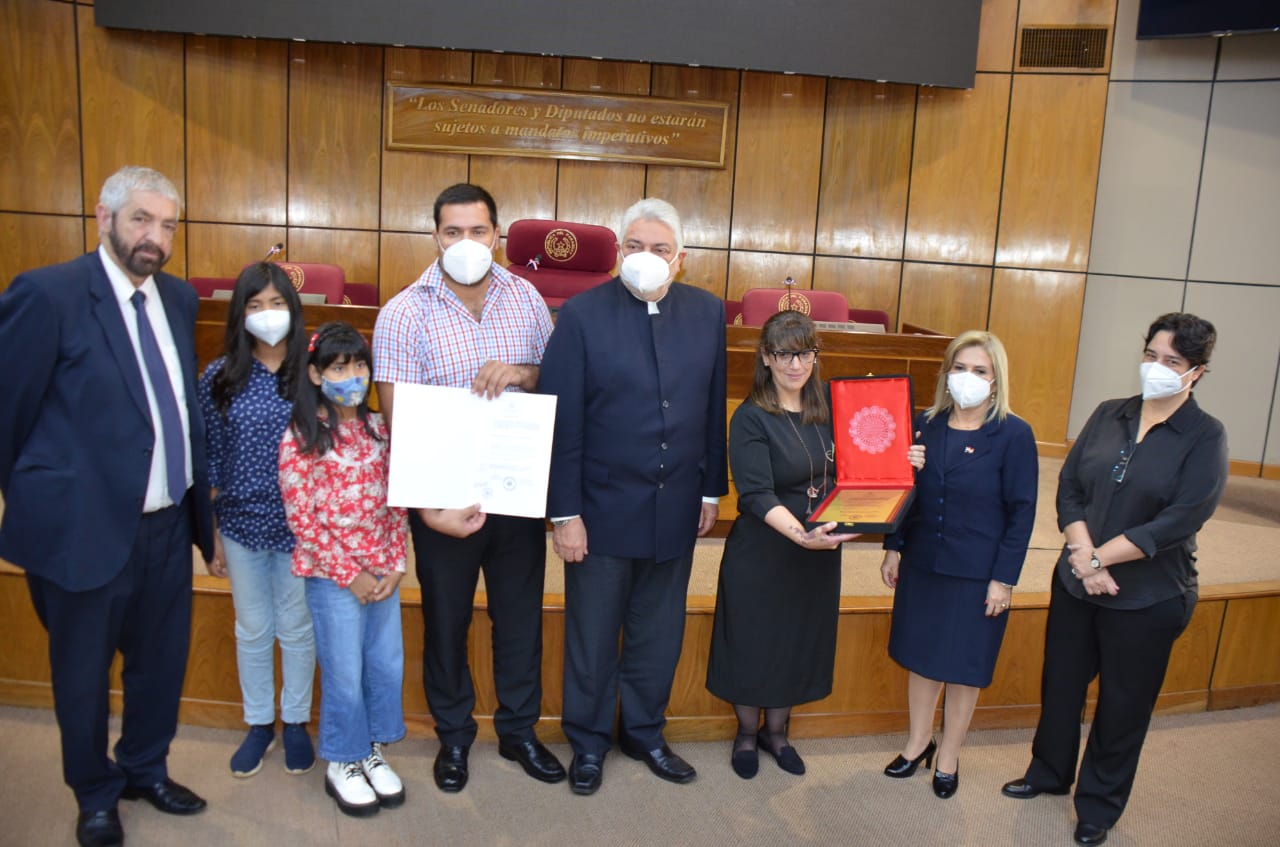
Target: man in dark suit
x,y
102,467
637,470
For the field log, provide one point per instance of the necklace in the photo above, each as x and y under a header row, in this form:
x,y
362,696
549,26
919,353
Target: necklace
x,y
812,491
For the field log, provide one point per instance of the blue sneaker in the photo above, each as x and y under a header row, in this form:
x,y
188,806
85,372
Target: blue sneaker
x,y
299,755
247,761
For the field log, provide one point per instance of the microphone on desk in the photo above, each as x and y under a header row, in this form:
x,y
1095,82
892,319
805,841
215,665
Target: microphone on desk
x,y
275,250
790,283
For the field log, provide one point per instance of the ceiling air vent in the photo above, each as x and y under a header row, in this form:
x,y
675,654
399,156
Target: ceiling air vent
x,y
1063,47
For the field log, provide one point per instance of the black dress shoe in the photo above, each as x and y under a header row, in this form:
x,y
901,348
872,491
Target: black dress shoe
x,y
451,768
1087,833
1020,789
537,761
786,756
902,767
167,796
663,762
586,772
746,761
99,829
946,784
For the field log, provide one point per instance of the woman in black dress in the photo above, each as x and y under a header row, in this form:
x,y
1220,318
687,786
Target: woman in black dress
x,y
954,562
774,638
1143,476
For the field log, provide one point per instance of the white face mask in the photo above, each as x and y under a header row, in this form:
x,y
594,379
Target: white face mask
x,y
645,273
1159,381
466,261
968,389
269,325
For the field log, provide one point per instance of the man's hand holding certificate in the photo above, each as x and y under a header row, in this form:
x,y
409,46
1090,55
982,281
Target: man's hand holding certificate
x,y
451,449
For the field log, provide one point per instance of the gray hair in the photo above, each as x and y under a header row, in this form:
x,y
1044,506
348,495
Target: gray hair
x,y
131,178
653,209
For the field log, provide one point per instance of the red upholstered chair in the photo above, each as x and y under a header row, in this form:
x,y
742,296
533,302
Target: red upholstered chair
x,y
759,304
870,316
360,294
733,312
316,278
561,258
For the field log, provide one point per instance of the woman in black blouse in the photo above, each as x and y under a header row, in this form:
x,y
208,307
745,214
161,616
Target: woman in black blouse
x,y
1144,475
773,642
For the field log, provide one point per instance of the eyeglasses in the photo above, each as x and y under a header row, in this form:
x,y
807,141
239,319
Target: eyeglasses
x,y
786,357
1122,464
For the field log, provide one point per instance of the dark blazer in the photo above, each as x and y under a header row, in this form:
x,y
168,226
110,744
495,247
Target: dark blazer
x,y
972,517
640,417
75,431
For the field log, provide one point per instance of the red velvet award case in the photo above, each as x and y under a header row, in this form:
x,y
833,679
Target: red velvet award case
x,y
871,421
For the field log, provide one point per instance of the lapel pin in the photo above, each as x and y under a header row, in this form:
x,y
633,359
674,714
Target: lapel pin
x,y
968,449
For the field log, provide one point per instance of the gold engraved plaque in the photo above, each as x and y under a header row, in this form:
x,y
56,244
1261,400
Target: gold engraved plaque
x,y
556,124
861,506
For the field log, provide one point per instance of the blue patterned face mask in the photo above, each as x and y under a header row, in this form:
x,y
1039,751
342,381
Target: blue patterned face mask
x,y
346,392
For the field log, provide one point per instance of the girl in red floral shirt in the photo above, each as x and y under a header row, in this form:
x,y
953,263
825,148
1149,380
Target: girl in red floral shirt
x,y
350,545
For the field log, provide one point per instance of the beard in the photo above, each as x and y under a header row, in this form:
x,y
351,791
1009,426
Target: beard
x,y
143,259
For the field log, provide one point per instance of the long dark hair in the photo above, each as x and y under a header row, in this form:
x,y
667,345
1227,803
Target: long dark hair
x,y
789,330
237,348
315,418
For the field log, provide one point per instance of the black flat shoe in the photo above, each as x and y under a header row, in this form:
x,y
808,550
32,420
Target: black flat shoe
x,y
1020,789
167,796
663,762
786,756
99,829
946,784
450,768
902,767
1087,833
586,772
537,761
745,762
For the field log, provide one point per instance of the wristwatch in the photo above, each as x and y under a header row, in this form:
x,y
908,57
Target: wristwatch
x,y
1095,562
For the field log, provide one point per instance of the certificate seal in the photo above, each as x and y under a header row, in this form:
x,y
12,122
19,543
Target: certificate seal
x,y
872,429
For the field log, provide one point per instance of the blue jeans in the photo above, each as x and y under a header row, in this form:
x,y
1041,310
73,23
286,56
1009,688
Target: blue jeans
x,y
271,604
361,652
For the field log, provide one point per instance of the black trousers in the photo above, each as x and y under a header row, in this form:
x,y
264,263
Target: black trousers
x,y
644,602
512,553
1128,650
145,614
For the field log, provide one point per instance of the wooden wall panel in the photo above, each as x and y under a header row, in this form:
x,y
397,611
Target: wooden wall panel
x,y
222,250
33,241
955,172
411,179
779,133
1191,663
1051,171
237,125
866,168
946,298
996,35
599,76
516,70
523,188
404,256
1037,316
1250,646
1016,681
707,269
767,270
335,134
356,251
865,283
1068,13
130,103
704,196
39,109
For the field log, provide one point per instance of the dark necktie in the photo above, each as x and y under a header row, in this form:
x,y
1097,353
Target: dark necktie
x,y
175,454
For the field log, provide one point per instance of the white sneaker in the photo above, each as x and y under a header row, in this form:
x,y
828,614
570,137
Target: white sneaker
x,y
384,781
345,783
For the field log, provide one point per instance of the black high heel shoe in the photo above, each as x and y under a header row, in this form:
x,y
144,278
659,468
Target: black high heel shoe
x,y
902,767
946,784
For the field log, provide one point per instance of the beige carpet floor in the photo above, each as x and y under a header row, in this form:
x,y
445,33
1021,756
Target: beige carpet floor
x,y
1205,780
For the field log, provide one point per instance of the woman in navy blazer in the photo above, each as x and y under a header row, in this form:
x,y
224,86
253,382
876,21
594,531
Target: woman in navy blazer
x,y
958,554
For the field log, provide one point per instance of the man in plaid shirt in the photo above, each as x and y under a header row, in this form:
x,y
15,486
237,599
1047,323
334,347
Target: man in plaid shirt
x,y
468,323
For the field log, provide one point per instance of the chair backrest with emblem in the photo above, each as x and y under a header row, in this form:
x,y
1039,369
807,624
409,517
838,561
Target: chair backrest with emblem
x,y
561,258
760,304
316,278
